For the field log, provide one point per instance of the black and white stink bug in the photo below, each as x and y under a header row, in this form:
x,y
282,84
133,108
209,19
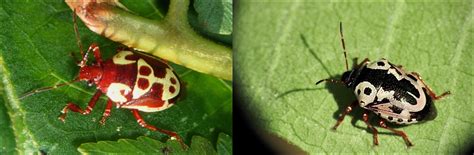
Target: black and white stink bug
x,y
389,91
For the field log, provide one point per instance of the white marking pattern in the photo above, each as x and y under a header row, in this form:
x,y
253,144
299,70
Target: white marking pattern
x,y
362,97
420,101
114,92
119,58
138,92
374,65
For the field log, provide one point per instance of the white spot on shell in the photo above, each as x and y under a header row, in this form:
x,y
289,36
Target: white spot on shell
x,y
211,129
362,97
381,94
184,119
114,92
374,65
138,92
119,58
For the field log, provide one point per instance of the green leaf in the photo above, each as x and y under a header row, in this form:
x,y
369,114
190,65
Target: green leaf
x,y
37,46
224,144
289,46
146,145
215,16
213,19
150,9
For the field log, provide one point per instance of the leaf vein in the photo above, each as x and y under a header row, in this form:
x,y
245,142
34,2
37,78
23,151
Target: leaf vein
x,y
394,19
29,40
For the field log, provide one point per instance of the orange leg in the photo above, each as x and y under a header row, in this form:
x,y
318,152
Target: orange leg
x,y
398,132
430,91
347,111
75,108
365,117
153,128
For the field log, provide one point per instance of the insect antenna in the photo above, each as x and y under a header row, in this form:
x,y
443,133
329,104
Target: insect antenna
x,y
78,37
345,58
48,88
343,45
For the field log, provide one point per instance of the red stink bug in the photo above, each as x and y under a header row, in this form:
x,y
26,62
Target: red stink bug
x,y
130,80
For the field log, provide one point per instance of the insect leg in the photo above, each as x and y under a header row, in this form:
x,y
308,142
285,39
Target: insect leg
x,y
330,80
430,91
365,117
366,60
75,108
398,132
94,48
106,112
347,111
150,127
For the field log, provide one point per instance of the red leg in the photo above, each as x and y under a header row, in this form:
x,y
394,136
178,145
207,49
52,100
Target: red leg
x,y
347,111
76,108
150,127
366,60
430,91
398,132
365,117
95,48
106,114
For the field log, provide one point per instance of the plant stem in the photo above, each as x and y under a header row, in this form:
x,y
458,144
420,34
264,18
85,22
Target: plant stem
x,y
172,39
